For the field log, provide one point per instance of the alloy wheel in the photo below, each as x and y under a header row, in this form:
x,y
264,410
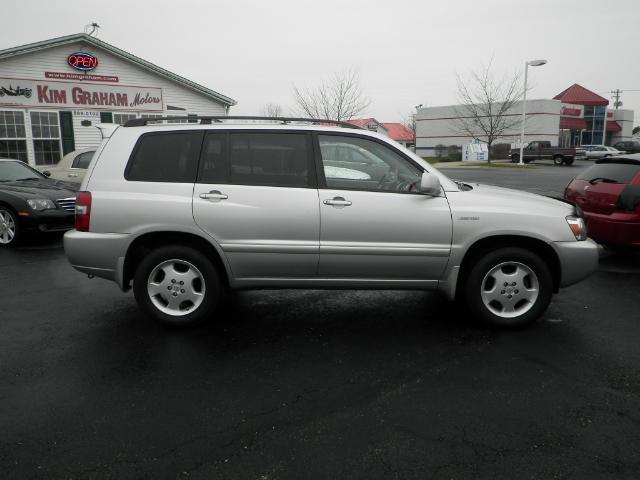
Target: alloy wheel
x,y
7,227
176,287
510,289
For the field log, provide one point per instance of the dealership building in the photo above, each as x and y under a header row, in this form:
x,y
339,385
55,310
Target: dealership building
x,y
52,92
576,116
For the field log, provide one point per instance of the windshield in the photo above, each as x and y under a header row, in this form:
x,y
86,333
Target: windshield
x,y
16,170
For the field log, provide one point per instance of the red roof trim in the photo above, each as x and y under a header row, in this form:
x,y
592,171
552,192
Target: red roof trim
x,y
578,95
573,123
613,126
399,132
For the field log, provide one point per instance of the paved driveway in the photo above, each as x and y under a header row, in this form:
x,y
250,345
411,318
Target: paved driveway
x,y
315,384
544,179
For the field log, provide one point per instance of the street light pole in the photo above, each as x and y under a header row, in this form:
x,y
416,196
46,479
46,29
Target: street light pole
x,y
533,63
604,127
415,128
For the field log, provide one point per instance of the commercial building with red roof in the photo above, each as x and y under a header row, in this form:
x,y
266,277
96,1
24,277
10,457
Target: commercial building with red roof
x,y
396,131
576,116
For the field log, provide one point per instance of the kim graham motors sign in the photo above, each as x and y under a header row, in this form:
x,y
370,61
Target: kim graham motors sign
x,y
51,94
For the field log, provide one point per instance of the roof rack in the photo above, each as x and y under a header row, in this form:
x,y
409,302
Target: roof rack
x,y
207,120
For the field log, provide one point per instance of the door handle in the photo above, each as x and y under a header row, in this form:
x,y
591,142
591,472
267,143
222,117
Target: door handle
x,y
337,201
72,175
214,195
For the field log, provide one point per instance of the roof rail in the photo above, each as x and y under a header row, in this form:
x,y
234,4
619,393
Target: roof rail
x,y
206,120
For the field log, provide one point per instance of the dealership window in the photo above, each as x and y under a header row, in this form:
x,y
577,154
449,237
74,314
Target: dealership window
x,y
181,119
45,129
122,118
13,141
151,115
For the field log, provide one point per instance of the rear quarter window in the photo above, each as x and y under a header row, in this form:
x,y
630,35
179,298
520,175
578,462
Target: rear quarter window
x,y
613,172
165,157
83,160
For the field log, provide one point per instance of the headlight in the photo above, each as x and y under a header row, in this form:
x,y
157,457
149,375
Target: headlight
x,y
41,204
578,227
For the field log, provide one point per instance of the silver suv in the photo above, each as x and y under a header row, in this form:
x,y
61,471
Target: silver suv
x,y
186,211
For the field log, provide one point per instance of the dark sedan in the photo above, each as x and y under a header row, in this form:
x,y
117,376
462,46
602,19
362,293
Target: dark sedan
x,y
30,202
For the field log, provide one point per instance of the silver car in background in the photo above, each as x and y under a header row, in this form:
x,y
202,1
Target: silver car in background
x,y
596,152
186,211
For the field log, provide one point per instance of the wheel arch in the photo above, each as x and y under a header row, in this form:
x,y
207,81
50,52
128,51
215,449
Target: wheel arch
x,y
147,242
6,203
539,247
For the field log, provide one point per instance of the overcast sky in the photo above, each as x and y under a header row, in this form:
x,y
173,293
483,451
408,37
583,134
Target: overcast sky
x,y
406,52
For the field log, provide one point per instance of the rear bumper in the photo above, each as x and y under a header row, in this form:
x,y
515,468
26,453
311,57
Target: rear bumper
x,y
578,260
98,254
617,229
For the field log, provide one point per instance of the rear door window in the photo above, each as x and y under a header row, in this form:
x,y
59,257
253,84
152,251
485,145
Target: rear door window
x,y
165,157
610,173
257,158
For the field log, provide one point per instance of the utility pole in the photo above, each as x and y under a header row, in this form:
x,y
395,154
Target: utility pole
x,y
616,94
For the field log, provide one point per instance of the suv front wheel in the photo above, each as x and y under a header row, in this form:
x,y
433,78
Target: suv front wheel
x,y
509,287
177,286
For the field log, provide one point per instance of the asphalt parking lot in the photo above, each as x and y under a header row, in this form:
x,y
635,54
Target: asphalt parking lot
x,y
317,384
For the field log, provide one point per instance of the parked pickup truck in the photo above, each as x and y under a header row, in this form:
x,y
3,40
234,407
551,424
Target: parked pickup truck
x,y
540,150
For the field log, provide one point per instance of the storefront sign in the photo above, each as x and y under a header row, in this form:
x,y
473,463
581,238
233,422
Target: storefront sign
x,y
10,91
82,77
86,113
50,94
82,61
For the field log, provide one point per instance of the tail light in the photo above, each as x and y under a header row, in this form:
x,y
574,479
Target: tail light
x,y
83,211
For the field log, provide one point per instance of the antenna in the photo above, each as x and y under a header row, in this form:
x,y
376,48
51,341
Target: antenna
x,y
94,29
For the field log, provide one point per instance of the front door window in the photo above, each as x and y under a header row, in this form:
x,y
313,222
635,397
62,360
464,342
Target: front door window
x,y
354,163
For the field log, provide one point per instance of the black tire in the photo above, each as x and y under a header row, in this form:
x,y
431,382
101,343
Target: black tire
x,y
558,159
515,158
186,314
9,222
478,280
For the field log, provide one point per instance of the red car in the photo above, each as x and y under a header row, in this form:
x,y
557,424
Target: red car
x,y
609,195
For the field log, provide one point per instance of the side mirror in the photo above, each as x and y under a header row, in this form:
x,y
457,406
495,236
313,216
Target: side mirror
x,y
46,173
430,185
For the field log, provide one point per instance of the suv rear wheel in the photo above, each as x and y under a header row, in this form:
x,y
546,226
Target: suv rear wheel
x,y
177,286
509,287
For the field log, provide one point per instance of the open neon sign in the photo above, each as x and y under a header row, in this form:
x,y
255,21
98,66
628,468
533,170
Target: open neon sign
x,y
82,61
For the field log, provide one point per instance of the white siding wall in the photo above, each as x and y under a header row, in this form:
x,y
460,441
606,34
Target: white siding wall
x,y
86,137
437,125
33,65
625,120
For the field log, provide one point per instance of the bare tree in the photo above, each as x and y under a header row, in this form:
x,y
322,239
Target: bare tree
x,y
272,110
338,98
409,121
486,105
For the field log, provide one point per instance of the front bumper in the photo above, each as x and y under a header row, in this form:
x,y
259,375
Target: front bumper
x,y
578,260
47,221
